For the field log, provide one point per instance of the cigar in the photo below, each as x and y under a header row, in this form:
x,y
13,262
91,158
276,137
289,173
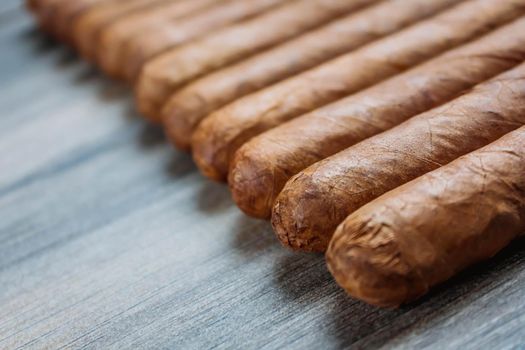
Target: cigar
x,y
33,5
169,72
167,35
44,11
111,54
188,107
315,201
394,249
87,28
67,12
269,160
220,135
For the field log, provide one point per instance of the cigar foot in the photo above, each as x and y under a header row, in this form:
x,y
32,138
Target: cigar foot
x,y
178,124
371,267
252,183
292,220
150,95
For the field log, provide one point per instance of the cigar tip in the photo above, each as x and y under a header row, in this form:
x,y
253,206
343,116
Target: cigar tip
x,y
134,67
295,218
366,260
83,35
210,151
33,5
252,182
106,55
147,98
205,156
178,123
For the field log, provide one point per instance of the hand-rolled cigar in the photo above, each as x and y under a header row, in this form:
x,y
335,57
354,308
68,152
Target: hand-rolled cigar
x,y
318,199
56,17
172,70
168,35
87,28
394,249
44,12
33,5
111,55
67,12
220,135
262,166
38,5
189,106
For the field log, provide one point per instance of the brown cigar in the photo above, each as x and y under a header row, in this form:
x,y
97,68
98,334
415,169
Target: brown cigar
x,y
224,131
262,166
111,55
318,199
188,107
163,75
168,35
394,249
33,5
87,28
44,12
67,13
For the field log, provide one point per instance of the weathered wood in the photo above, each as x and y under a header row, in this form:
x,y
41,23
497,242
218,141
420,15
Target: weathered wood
x,y
110,239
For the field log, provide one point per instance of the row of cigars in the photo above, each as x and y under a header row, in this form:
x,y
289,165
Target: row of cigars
x,y
388,133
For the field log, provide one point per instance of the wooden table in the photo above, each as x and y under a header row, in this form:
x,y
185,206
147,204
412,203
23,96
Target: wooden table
x,y
111,239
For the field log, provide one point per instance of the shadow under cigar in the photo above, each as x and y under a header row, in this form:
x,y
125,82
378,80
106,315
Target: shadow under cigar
x,y
67,57
111,90
151,135
84,72
179,165
213,197
252,238
40,42
303,279
353,323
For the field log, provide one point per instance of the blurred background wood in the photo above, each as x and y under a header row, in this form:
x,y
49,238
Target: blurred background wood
x,y
111,239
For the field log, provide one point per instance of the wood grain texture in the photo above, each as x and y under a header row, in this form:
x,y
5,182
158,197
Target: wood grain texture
x,y
111,240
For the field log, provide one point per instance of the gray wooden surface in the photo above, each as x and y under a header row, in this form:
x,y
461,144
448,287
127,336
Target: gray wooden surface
x,y
111,239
